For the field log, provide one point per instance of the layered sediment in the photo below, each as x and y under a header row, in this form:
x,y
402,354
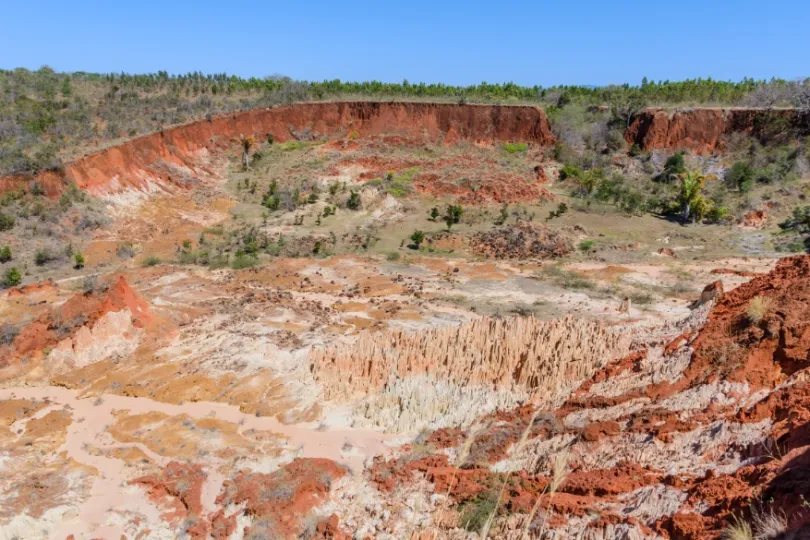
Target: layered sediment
x,y
170,158
703,130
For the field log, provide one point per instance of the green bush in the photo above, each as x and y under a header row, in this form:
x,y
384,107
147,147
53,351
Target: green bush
x,y
43,256
12,277
6,222
392,256
674,166
243,260
570,171
417,238
452,214
79,261
740,176
586,245
151,261
5,254
354,201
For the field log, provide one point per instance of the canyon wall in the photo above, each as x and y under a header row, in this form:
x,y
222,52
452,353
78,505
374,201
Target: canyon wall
x,y
161,160
703,130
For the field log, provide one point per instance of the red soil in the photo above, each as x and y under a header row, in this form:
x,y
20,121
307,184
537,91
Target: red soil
x,y
82,309
703,130
133,164
278,501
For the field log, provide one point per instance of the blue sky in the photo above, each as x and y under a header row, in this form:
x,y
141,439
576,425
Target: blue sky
x,y
543,42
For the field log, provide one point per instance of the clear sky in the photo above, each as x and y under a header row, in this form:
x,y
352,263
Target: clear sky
x,y
543,42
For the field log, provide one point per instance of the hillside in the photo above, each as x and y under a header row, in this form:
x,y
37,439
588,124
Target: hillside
x,y
409,319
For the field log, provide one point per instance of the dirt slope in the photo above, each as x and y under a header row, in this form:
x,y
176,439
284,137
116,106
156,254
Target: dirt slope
x,y
161,160
702,130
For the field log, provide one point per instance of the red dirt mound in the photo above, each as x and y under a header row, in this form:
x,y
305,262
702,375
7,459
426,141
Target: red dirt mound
x,y
169,158
82,309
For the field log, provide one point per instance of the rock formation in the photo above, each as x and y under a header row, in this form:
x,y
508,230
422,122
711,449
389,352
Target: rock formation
x,y
702,130
451,374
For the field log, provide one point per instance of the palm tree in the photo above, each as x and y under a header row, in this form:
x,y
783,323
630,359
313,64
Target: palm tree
x,y
247,144
691,201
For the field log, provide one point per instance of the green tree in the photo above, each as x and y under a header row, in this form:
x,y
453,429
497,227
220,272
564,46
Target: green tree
x,y
692,204
79,259
434,213
452,214
5,254
417,238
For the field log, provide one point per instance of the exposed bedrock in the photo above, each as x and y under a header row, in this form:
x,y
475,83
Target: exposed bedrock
x,y
448,376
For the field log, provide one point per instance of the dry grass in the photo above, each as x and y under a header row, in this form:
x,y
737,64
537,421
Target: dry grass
x,y
758,308
768,523
739,530
559,472
523,438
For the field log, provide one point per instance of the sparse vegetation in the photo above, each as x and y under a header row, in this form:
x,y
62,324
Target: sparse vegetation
x,y
758,308
151,260
417,238
354,201
5,254
11,278
514,148
452,215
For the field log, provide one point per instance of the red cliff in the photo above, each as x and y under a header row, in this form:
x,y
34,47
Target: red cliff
x,y
703,130
153,159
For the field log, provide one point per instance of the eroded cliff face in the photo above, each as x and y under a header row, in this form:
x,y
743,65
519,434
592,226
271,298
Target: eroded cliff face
x,y
171,158
702,130
447,376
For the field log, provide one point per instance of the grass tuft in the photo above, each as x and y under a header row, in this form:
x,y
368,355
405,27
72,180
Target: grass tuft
x,y
758,309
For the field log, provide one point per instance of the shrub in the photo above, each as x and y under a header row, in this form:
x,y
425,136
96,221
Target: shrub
x,y
12,277
43,256
434,213
5,254
570,171
125,251
392,256
6,222
674,166
758,308
452,214
740,176
79,260
354,201
586,245
151,261
417,238
243,260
